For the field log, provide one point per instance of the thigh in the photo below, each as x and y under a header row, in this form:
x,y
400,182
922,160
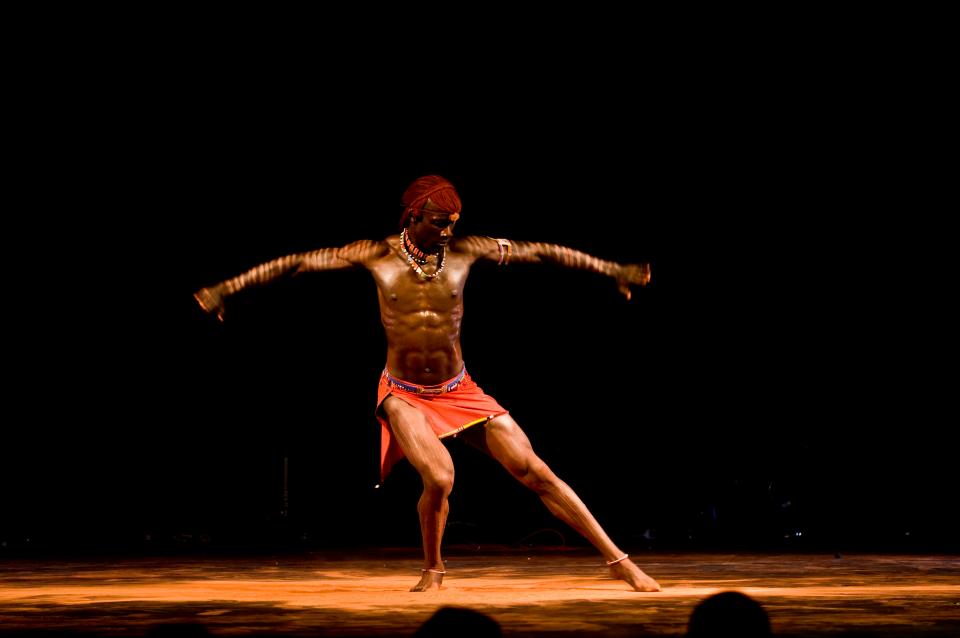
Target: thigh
x,y
504,440
415,437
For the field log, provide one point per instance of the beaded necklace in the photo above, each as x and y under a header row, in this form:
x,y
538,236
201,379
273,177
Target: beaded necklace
x,y
414,261
418,255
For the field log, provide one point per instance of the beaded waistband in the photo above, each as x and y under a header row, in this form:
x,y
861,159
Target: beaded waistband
x,y
415,388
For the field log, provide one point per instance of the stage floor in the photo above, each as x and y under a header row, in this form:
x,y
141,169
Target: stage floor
x,y
530,593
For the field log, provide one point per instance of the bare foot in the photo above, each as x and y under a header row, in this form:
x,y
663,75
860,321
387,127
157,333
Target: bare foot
x,y
431,579
628,571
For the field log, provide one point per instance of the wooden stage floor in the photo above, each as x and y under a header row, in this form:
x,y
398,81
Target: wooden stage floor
x,y
530,593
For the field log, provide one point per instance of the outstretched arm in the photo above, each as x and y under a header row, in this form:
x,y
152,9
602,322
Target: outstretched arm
x,y
503,252
358,253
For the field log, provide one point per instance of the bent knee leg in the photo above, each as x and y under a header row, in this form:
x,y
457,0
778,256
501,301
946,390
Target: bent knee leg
x,y
438,480
420,445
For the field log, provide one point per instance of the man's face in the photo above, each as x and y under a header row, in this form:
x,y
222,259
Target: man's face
x,y
433,227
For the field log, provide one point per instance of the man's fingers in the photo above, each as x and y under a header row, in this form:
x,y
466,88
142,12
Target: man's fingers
x,y
637,274
644,274
207,303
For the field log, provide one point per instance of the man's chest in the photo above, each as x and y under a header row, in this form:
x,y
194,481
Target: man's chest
x,y
402,286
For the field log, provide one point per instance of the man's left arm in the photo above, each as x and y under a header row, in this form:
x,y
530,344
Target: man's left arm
x,y
506,251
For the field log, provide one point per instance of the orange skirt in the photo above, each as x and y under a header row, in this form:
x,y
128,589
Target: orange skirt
x,y
448,413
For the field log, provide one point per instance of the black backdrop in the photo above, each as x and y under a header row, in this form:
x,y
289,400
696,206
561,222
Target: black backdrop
x,y
770,388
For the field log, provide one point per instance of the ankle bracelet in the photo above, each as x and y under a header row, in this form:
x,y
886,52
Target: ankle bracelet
x,y
611,563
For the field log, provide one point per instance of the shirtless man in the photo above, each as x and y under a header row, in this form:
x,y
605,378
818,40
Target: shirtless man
x,y
425,393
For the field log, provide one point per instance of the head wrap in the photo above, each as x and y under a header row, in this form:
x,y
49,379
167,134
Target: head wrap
x,y
435,188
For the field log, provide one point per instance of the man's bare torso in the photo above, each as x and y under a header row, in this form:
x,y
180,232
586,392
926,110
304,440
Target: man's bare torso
x,y
421,317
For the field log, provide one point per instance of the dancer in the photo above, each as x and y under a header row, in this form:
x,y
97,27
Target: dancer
x,y
425,393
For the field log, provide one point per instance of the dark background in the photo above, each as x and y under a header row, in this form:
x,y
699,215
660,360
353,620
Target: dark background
x,y
786,381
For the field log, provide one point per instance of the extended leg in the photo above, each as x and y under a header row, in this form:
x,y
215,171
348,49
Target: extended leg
x,y
506,442
432,461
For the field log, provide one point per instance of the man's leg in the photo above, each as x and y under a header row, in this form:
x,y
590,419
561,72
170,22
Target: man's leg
x,y
432,461
505,441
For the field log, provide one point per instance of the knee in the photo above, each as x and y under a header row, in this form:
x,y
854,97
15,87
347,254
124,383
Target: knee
x,y
438,481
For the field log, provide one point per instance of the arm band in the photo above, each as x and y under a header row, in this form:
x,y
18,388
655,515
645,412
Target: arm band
x,y
504,246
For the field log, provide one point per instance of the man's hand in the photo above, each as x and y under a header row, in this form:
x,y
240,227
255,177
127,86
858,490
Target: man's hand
x,y
211,300
632,274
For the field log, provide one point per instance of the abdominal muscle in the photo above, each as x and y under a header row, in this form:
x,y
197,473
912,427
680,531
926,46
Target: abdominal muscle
x,y
424,347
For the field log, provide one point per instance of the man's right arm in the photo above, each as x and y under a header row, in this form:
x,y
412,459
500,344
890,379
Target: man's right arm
x,y
358,253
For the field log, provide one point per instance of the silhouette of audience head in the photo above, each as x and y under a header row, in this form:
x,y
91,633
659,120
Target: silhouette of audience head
x,y
728,614
459,622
